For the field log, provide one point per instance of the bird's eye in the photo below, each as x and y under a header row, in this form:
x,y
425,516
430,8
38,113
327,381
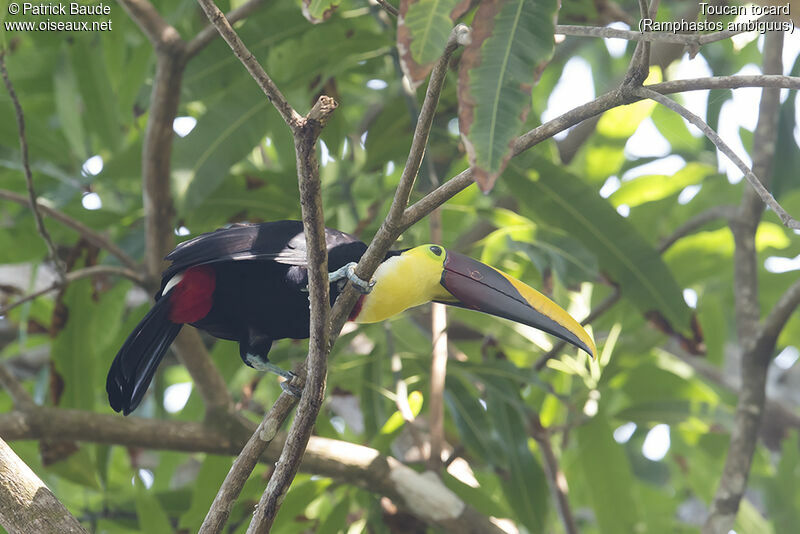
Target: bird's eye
x,y
436,250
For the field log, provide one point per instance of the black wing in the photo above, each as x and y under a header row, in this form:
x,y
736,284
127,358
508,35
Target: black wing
x,y
279,241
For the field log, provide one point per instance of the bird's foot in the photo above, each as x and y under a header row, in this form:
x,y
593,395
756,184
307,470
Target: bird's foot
x,y
294,391
268,367
349,271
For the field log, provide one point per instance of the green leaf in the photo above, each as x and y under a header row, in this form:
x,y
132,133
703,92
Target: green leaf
x,y
209,478
423,27
608,476
526,486
783,489
750,521
555,197
79,467
102,115
152,518
674,130
470,416
571,261
784,176
657,186
222,137
69,104
623,121
336,519
302,492
674,412
92,323
510,39
396,422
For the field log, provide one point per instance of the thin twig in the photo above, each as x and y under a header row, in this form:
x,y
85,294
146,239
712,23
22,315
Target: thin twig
x,y
781,312
556,480
460,34
205,36
394,224
752,179
347,463
756,349
92,236
217,18
639,65
23,147
22,399
305,131
159,209
305,141
310,403
245,463
726,82
389,8
603,103
687,39
70,277
701,219
157,30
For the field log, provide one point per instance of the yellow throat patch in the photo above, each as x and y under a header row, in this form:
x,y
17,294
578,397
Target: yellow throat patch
x,y
405,281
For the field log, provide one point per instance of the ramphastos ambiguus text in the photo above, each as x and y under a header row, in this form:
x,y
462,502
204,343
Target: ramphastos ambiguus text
x,y
248,283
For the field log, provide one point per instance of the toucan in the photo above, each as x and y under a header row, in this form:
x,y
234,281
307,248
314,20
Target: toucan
x,y
248,283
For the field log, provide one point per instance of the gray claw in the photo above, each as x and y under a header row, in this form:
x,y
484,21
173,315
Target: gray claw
x,y
349,271
290,389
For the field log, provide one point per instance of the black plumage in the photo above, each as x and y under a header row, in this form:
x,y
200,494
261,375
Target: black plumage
x,y
259,295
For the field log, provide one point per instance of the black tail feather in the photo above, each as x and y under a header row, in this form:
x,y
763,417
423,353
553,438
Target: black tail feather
x,y
137,360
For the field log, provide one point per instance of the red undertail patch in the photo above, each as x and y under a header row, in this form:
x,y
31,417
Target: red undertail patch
x,y
191,299
356,308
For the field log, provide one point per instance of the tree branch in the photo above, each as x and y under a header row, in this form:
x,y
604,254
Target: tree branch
x,y
782,311
752,179
157,197
191,351
205,36
687,39
157,30
701,219
245,463
756,350
389,8
395,222
726,82
290,116
555,477
26,504
345,462
603,103
23,148
305,131
156,158
305,142
22,399
70,277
